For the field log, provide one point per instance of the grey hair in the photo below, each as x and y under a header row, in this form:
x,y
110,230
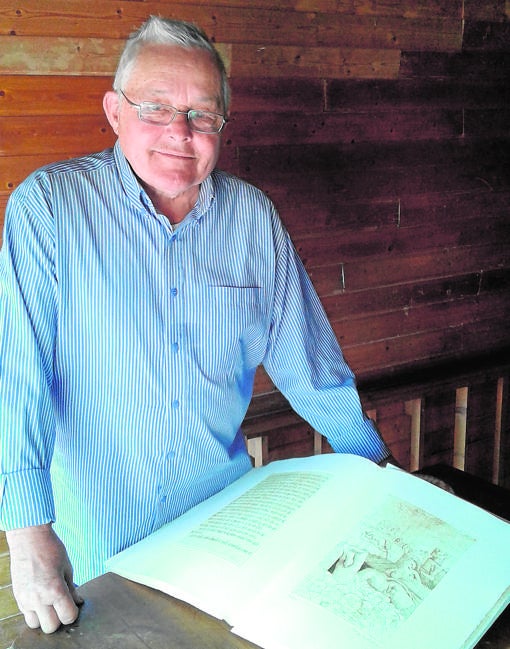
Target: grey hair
x,y
165,31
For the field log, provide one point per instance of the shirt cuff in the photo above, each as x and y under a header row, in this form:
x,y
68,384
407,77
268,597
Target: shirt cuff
x,y
26,499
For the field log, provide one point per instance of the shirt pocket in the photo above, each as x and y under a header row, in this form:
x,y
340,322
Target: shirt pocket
x,y
228,335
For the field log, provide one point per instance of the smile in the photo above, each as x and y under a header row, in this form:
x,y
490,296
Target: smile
x,y
175,154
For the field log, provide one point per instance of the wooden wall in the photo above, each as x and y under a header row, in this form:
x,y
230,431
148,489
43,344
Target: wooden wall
x,y
381,131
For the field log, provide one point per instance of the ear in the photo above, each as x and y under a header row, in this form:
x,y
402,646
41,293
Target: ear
x,y
111,108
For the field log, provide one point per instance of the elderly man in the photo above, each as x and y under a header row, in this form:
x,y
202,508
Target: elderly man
x,y
141,288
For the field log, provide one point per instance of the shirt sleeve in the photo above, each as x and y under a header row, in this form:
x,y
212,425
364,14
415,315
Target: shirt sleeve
x,y
27,326
305,362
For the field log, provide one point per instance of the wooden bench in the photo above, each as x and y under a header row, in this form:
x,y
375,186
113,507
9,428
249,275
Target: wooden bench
x,y
409,409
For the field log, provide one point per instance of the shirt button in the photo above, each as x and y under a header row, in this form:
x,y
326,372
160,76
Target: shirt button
x,y
173,292
170,455
175,347
175,404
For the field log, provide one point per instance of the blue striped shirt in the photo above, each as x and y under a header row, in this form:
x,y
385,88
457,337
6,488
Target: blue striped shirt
x,y
128,351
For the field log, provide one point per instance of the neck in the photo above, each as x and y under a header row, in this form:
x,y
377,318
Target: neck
x,y
175,208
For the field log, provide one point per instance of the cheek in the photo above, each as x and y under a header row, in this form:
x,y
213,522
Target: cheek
x,y
134,147
209,153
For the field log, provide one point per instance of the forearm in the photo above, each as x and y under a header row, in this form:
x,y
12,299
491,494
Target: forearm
x,y
27,343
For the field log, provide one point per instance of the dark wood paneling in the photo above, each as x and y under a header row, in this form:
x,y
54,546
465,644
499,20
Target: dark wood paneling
x,y
379,129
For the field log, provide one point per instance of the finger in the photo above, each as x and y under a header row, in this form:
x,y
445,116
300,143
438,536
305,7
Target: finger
x,y
65,609
68,576
48,618
78,599
31,619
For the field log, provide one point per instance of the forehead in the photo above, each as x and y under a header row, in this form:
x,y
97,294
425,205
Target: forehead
x,y
164,67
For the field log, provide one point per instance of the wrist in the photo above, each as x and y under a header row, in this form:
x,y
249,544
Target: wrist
x,y
30,531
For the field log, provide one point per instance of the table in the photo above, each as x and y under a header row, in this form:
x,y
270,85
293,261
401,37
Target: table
x,y
120,614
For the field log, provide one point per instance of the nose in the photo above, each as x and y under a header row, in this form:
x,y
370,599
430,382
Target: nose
x,y
179,127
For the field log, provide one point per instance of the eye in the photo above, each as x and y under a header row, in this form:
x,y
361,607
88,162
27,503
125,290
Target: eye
x,y
155,108
203,116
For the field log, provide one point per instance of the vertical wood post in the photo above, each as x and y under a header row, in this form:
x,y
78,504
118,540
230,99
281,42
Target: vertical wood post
x,y
498,427
413,409
459,431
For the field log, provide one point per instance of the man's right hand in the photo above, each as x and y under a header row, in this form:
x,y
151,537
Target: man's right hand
x,y
42,578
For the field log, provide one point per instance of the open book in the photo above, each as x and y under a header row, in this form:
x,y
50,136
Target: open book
x,y
331,551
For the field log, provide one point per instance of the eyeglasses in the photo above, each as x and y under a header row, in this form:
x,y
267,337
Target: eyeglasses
x,y
200,121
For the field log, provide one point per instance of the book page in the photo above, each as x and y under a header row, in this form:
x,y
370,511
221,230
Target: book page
x,y
238,530
217,555
420,564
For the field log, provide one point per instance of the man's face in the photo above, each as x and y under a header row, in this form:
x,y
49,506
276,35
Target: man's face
x,y
172,160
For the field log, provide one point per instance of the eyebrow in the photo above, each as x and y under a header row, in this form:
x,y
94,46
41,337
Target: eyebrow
x,y
213,99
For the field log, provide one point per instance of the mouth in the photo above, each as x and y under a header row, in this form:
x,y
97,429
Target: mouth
x,y
175,155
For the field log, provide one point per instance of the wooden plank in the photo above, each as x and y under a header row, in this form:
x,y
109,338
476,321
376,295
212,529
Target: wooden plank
x,y
495,280
504,475
362,328
303,210
96,56
498,429
386,299
94,18
313,62
482,407
315,249
385,357
438,207
389,269
395,424
54,134
481,426
490,10
438,422
354,95
468,66
486,122
407,33
404,8
52,95
413,408
381,171
327,209
69,56
486,36
262,384
273,128
479,458
251,95
14,169
68,9
459,429
79,56
251,24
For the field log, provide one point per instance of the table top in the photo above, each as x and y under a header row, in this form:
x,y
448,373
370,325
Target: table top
x,y
120,613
